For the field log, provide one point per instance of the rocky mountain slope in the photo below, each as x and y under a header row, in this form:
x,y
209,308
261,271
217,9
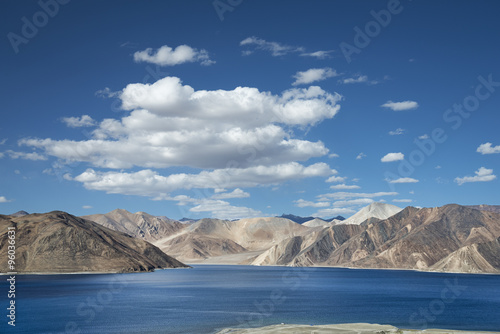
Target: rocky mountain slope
x,y
20,214
484,207
213,237
140,224
317,222
448,238
58,242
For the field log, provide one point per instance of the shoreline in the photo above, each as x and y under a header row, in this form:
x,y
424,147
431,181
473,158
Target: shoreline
x,y
191,266
89,272
339,267
345,328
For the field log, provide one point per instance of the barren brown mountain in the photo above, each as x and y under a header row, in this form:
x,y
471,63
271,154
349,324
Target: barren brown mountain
x,y
208,238
448,238
140,224
59,242
484,207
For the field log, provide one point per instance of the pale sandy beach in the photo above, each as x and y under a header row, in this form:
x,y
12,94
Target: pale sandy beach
x,y
338,328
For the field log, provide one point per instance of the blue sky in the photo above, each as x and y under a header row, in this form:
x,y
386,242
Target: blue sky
x,y
236,109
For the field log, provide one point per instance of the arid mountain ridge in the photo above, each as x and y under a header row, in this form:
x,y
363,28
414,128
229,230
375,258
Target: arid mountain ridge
x,y
57,242
449,238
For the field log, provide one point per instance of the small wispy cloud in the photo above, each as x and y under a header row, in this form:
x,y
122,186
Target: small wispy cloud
x,y
87,207
335,179
390,157
424,136
397,132
482,175
167,56
3,199
347,195
488,148
357,201
359,79
344,187
318,54
404,180
313,75
78,122
129,44
333,212
400,106
26,156
276,49
106,92
236,193
361,156
303,203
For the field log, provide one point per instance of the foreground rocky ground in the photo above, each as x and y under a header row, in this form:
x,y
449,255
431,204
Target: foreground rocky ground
x,y
340,329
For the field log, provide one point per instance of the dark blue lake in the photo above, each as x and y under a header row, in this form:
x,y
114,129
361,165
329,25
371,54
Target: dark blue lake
x,y
207,298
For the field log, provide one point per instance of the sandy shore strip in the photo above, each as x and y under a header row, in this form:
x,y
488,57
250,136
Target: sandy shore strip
x,y
340,329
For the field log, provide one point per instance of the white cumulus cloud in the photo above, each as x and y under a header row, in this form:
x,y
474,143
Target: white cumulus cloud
x,y
336,179
389,157
149,183
400,106
78,122
404,180
482,175
167,56
171,124
236,193
313,75
3,199
487,148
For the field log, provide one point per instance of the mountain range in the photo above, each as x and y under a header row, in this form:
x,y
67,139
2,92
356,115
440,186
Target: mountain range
x,y
58,242
451,238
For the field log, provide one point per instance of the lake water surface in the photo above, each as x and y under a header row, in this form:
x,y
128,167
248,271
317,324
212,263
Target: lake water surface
x,y
209,297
